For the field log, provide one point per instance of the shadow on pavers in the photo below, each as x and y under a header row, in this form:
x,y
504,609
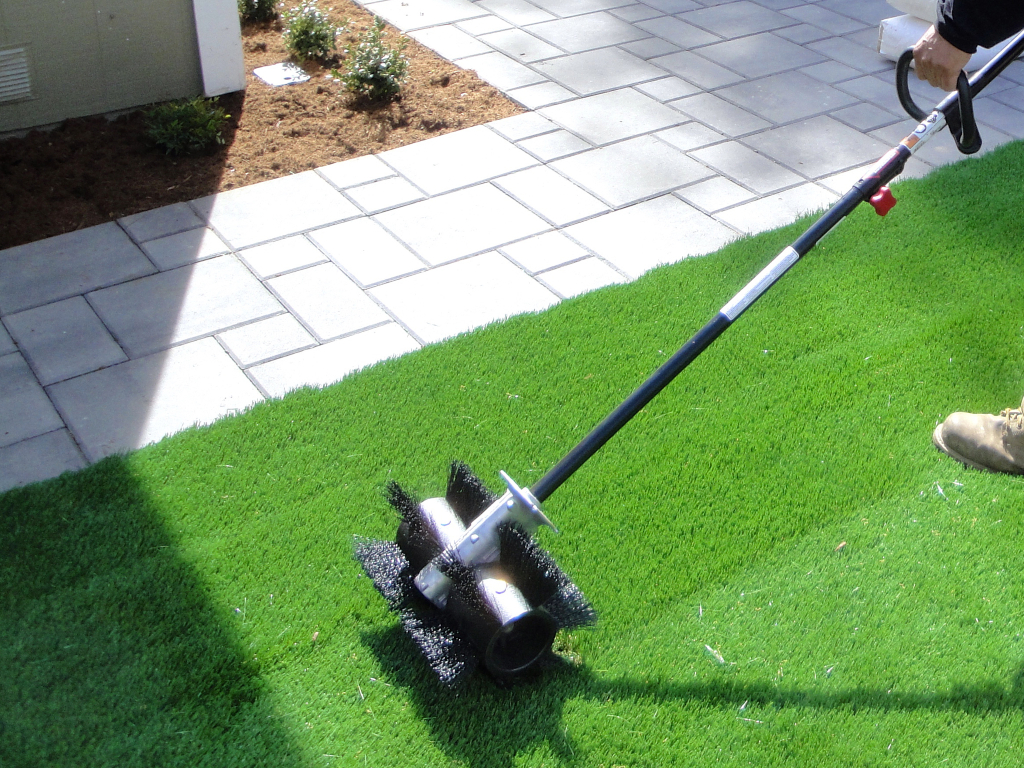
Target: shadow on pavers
x,y
111,652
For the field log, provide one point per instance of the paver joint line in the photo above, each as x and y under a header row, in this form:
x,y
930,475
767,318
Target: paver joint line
x,y
692,121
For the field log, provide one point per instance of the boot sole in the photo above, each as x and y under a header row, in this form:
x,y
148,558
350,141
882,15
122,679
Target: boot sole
x,y
941,445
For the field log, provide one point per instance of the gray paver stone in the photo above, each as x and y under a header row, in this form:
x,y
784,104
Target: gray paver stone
x,y
327,301
552,196
64,339
609,117
458,297
632,170
365,250
25,411
130,405
67,265
39,458
280,256
273,209
448,227
168,220
184,248
156,312
660,231
458,159
581,277
266,339
600,70
331,362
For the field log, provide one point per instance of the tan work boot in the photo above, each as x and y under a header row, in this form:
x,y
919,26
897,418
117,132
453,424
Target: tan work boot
x,y
982,441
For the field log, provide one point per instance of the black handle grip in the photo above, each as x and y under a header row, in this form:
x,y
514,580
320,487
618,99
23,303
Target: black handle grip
x,y
961,124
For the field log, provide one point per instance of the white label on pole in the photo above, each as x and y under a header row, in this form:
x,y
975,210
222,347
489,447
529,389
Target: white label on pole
x,y
764,280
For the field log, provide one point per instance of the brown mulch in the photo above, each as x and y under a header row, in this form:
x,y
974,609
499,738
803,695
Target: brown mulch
x,y
91,170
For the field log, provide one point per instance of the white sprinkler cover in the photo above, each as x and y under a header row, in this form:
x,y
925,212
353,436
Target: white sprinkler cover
x,y
285,73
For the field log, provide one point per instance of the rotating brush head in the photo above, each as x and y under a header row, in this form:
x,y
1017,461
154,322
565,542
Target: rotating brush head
x,y
503,613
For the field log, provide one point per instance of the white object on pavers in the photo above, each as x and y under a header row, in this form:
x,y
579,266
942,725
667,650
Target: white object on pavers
x,y
285,73
926,10
897,34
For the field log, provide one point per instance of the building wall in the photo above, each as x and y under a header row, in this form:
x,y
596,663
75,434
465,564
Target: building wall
x,y
88,57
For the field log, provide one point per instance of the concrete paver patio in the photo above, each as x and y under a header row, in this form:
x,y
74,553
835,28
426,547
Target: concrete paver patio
x,y
659,130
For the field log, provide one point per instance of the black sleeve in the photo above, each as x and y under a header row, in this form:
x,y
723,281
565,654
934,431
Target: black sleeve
x,y
967,24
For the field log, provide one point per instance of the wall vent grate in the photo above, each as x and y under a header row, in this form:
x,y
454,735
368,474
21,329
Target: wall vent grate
x,y
15,83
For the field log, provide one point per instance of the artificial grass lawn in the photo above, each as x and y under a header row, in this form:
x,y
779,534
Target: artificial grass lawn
x,y
786,572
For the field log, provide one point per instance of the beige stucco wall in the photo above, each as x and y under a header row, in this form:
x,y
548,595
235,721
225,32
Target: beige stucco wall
x,y
95,56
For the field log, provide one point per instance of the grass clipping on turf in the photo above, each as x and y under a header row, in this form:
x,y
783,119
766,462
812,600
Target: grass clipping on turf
x,y
786,571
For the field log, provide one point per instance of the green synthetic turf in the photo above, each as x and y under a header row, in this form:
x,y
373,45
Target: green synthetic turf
x,y
786,572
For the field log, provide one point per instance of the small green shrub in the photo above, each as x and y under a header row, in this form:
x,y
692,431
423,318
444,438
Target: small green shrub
x,y
374,69
308,32
257,10
186,127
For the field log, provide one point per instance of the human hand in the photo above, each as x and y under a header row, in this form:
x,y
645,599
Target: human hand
x,y
938,61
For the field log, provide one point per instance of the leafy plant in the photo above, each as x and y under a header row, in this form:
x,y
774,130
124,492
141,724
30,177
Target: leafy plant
x,y
186,127
374,69
257,10
309,33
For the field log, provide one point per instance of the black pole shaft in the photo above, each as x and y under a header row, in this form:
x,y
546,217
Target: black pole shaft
x,y
885,171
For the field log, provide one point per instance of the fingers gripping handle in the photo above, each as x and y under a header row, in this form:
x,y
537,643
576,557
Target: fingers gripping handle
x,y
961,124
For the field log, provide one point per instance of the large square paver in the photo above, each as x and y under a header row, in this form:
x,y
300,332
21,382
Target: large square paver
x,y
552,196
327,301
67,265
159,311
168,220
38,458
450,42
564,8
458,159
462,223
184,248
501,71
518,12
818,147
737,19
272,209
64,339
612,116
631,170
331,362
521,45
660,231
266,339
584,33
678,32
366,251
552,249
458,297
132,404
280,256
25,411
786,97
424,13
6,342
747,167
600,70
760,55
720,115
695,69
778,210
581,277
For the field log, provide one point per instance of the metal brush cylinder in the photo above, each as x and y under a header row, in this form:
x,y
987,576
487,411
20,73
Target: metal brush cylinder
x,y
511,634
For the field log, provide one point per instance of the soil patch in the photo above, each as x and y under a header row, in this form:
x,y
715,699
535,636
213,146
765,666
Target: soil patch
x,y
91,170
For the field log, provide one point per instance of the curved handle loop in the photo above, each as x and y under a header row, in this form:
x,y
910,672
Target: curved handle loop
x,y
962,125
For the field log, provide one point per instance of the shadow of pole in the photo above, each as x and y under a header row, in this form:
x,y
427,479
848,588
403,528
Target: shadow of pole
x,y
518,719
111,651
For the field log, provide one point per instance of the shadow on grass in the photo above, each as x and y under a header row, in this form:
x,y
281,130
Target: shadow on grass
x,y
111,652
486,725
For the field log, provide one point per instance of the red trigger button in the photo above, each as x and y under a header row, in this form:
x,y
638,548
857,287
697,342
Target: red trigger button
x,y
883,201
